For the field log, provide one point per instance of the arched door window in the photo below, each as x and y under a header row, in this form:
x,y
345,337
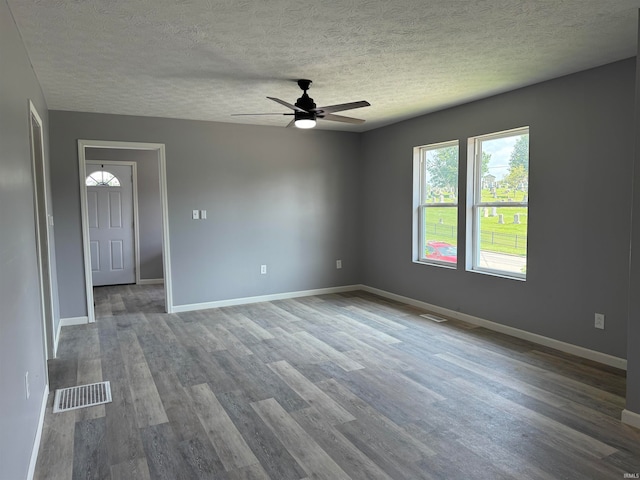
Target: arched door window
x,y
102,178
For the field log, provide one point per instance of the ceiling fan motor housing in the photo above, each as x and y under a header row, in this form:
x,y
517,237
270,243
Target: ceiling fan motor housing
x,y
305,102
304,115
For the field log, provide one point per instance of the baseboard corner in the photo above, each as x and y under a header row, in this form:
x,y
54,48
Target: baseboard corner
x,y
151,281
630,418
66,322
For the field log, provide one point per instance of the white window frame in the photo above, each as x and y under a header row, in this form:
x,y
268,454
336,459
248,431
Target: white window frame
x,y
475,204
419,182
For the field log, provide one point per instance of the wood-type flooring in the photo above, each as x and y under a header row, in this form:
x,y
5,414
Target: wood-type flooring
x,y
344,386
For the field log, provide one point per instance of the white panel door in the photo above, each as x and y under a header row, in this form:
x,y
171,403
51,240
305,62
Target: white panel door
x,y
110,212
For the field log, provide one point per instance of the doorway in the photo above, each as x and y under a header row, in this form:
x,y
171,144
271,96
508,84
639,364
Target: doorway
x,y
42,220
159,150
111,217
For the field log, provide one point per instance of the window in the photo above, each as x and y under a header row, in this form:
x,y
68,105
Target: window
x,y
498,197
102,178
436,201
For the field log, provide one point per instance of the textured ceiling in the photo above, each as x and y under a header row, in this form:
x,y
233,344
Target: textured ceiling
x,y
207,59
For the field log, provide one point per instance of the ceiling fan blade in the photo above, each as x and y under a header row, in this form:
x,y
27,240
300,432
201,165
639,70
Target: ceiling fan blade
x,y
343,106
291,123
340,118
243,114
287,104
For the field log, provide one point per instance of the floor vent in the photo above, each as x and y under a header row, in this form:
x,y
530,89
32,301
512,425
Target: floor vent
x,y
433,318
82,396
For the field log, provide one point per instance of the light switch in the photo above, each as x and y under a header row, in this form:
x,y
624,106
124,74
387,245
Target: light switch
x,y
203,214
195,215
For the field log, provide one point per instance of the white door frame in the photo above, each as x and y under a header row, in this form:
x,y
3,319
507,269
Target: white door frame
x,y
159,148
136,230
42,220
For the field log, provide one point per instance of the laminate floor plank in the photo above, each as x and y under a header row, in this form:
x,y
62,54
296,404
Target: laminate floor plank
x,y
258,382
295,349
202,459
566,436
337,357
371,389
352,460
244,323
205,338
274,458
346,385
408,448
219,378
136,468
178,406
316,462
123,437
56,456
164,458
252,472
585,373
229,340
90,459
146,400
229,444
330,409
561,385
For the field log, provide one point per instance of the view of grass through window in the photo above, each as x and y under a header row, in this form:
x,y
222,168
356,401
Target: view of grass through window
x,y
439,203
498,214
501,197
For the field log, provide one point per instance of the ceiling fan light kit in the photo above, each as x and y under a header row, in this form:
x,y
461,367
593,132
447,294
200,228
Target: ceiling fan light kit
x,y
305,113
305,123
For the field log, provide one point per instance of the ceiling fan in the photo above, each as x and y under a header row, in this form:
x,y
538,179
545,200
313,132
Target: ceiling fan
x,y
305,113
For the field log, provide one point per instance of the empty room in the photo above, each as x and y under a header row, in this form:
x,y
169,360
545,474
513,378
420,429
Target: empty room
x,y
319,240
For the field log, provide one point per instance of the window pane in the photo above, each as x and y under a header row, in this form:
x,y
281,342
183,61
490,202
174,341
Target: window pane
x,y
436,222
441,175
440,234
501,175
102,178
505,168
503,238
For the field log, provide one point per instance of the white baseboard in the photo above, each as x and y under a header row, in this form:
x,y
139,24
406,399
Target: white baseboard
x,y
151,281
599,357
57,339
66,322
36,443
631,418
263,298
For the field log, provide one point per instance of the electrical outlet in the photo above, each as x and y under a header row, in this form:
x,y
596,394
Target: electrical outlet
x,y
195,215
27,390
203,214
599,323
338,263
263,269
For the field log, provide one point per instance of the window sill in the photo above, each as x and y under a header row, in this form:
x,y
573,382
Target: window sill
x,y
449,266
498,274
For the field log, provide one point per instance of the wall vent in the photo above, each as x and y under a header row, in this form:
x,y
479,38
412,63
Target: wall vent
x,y
82,396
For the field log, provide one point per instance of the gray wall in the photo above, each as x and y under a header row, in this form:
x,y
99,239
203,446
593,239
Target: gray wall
x,y
581,152
21,324
633,327
276,196
149,204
